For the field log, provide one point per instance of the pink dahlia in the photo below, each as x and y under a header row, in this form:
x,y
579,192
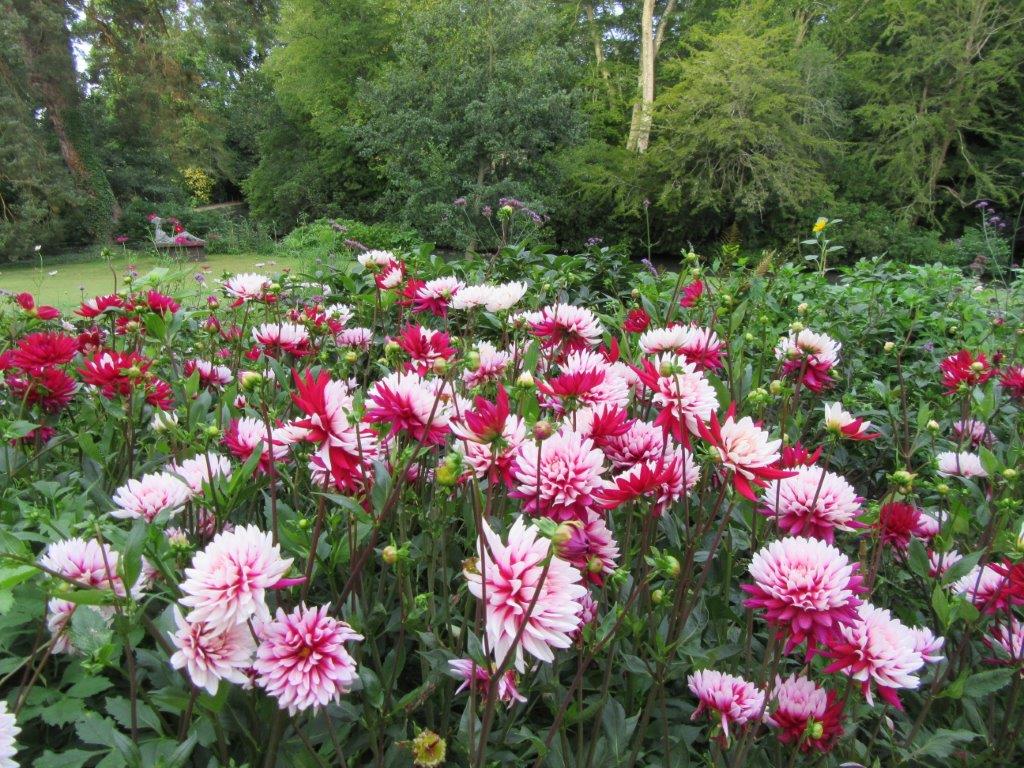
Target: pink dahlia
x,y
842,423
567,327
424,348
589,546
558,478
357,338
210,374
746,449
977,432
247,286
663,480
210,656
804,709
964,371
728,698
876,648
301,660
812,503
807,589
642,441
1012,380
289,338
151,495
247,435
940,562
928,645
987,588
899,522
200,470
479,678
683,395
408,404
960,465
1007,642
40,350
486,363
228,579
809,357
8,731
435,295
99,304
508,578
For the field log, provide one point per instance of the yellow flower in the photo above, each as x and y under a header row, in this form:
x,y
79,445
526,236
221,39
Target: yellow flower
x,y
820,224
428,749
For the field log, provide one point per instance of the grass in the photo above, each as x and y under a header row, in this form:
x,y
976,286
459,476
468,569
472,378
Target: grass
x,y
62,283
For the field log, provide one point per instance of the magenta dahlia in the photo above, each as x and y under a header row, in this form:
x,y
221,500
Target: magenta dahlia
x,y
728,698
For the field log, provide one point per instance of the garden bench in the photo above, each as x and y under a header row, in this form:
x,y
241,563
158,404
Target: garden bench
x,y
182,242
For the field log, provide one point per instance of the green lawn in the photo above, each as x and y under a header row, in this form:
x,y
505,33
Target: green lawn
x,y
63,283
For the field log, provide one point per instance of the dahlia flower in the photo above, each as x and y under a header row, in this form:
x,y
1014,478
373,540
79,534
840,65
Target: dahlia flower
x,y
877,648
664,480
8,731
247,286
842,423
228,579
986,588
728,698
928,645
508,578
690,293
434,296
210,374
637,321
899,522
375,259
301,660
283,337
86,562
807,589
115,373
697,345
567,327
487,363
406,402
804,709
977,432
590,547
960,464
558,478
812,503
642,441
201,469
479,678
1012,380
424,347
27,303
357,338
746,449
810,356
1006,641
151,495
161,303
246,435
99,304
49,388
505,296
964,370
683,395
209,655
796,455
41,350
940,562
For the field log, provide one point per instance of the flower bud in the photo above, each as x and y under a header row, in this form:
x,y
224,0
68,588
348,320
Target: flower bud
x,y
933,426
889,346
389,554
595,565
815,729
670,566
796,326
562,535
977,366
542,430
658,596
440,366
942,489
392,348
525,380
351,357
473,361
303,523
249,379
692,257
748,337
775,387
801,308
1010,474
212,431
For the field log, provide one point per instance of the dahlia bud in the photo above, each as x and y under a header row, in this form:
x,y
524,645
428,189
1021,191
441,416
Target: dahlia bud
x,y
933,426
796,326
447,475
801,308
904,480
1010,474
212,431
667,368
692,257
658,596
473,361
977,366
440,366
695,272
303,523
775,387
727,299
505,212
134,372
392,348
177,539
670,566
952,329
470,565
274,288
250,379
390,554
815,729
351,357
562,535
942,489
428,749
525,380
889,346
748,337
762,319
635,293
758,396
594,565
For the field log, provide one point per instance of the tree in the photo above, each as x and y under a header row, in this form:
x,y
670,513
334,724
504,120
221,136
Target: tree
x,y
476,102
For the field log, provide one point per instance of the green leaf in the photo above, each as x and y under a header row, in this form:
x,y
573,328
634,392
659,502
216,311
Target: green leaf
x,y
72,758
941,743
11,576
983,683
917,558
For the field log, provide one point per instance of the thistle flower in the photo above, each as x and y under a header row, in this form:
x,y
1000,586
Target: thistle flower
x,y
728,698
807,589
301,660
542,612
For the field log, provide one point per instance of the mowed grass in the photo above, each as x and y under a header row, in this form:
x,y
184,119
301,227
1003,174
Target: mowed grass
x,y
63,283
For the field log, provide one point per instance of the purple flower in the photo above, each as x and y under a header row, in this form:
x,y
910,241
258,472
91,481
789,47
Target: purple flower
x,y
650,266
200,278
486,211
459,202
593,242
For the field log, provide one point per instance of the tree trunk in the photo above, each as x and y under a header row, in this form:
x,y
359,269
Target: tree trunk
x,y
595,36
643,107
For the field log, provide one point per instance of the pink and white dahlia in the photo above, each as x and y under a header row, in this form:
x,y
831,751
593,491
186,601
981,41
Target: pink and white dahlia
x,y
487,363
960,465
425,347
976,431
812,503
357,338
86,562
809,357
642,441
940,562
200,470
504,296
802,709
807,589
289,338
842,423
208,655
508,578
589,546
151,495
8,732
407,403
301,660
683,395
247,435
492,459
247,286
479,678
373,260
228,580
435,295
1006,641
663,480
558,477
900,521
746,449
659,340
928,645
876,648
390,276
567,327
727,698
985,587
210,374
